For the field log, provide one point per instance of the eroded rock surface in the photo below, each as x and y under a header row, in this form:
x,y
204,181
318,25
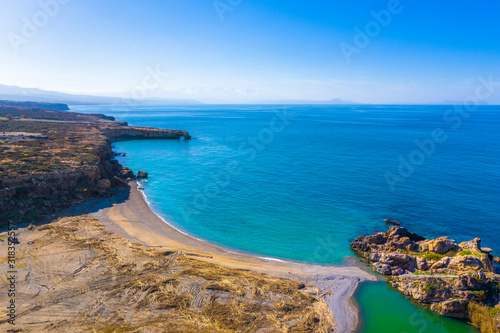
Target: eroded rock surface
x,y
142,175
439,273
54,160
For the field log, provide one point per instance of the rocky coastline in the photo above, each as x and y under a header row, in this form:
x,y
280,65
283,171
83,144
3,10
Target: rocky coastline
x,y
115,133
66,161
455,280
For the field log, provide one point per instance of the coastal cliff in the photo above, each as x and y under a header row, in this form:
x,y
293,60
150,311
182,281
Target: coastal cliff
x,y
30,196
142,133
98,281
455,280
33,105
51,160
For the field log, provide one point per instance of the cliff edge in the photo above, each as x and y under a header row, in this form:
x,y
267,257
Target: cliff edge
x,y
115,133
51,160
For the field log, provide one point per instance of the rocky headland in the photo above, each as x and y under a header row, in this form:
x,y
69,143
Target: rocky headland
x,y
455,280
115,133
50,160
33,105
120,267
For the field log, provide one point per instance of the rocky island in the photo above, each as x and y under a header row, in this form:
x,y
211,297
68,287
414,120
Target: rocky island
x,y
455,280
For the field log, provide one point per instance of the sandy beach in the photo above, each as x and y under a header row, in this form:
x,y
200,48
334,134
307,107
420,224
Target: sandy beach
x,y
128,215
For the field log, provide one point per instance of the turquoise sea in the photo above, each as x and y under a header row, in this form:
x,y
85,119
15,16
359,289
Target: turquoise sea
x,y
300,182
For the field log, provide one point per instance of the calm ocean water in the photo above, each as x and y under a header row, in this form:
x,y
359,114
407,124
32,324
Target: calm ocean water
x,y
301,182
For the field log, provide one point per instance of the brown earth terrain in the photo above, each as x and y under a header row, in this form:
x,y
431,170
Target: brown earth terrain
x,y
75,276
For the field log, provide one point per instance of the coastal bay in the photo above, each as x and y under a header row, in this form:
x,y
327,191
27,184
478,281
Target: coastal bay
x,y
171,174
250,166
333,203
133,219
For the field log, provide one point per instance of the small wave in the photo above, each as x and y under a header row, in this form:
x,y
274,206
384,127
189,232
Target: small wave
x,y
229,250
271,259
164,219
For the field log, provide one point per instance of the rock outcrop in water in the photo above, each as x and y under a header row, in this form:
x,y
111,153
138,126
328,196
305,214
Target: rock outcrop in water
x,y
115,133
455,280
142,175
126,173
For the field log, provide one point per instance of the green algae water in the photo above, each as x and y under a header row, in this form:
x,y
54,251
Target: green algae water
x,y
384,310
301,182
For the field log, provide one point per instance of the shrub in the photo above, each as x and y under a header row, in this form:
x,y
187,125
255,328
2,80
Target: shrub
x,y
430,287
484,318
433,256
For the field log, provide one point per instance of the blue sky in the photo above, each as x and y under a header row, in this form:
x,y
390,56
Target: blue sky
x,y
247,50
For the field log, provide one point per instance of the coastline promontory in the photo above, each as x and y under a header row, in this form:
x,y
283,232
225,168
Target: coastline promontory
x,y
455,280
53,159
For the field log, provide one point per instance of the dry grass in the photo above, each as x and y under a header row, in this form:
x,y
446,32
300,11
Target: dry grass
x,y
484,318
122,287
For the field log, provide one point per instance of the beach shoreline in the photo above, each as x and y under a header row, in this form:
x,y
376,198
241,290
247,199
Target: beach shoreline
x,y
130,216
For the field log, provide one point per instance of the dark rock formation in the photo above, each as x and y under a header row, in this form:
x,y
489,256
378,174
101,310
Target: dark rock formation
x,y
457,308
127,173
103,186
392,222
34,105
142,174
123,133
28,197
439,273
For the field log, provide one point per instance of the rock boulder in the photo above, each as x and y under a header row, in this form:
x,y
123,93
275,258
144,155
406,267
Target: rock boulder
x,y
127,173
440,245
142,174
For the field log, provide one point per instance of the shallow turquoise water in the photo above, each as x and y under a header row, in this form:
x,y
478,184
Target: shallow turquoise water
x,y
301,182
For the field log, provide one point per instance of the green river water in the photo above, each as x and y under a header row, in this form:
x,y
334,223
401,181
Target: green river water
x,y
385,311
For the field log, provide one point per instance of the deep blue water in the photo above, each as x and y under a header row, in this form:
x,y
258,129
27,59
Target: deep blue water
x,y
301,182
302,186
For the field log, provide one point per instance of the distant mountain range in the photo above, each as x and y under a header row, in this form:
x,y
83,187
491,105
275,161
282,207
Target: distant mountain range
x,y
190,96
14,93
